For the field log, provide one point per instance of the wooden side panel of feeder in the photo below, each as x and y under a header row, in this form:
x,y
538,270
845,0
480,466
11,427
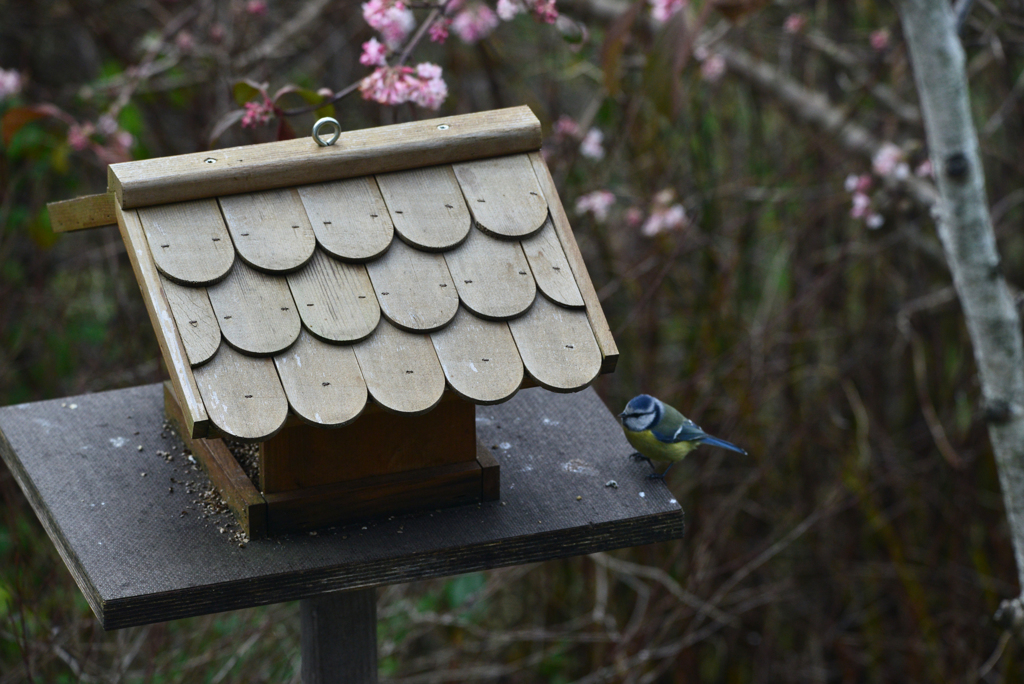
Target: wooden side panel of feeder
x,y
411,490
377,444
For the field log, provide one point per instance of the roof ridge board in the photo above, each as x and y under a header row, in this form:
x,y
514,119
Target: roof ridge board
x,y
301,161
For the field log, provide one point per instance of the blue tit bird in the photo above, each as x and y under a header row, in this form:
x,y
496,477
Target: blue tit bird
x,y
658,432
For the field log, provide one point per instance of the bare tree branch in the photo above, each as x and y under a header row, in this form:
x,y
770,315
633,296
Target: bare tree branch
x,y
908,112
965,229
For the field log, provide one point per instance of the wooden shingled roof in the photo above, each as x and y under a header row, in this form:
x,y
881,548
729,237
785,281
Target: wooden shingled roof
x,y
385,277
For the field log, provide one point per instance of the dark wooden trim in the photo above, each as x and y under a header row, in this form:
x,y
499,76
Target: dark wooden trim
x,y
490,474
411,490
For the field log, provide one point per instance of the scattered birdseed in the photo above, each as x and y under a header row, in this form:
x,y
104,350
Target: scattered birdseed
x,y
579,498
140,447
612,483
248,457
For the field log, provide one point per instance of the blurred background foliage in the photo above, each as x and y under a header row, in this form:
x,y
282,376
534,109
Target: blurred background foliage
x,y
863,539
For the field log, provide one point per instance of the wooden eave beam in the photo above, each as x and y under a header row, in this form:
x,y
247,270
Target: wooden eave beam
x,y
90,211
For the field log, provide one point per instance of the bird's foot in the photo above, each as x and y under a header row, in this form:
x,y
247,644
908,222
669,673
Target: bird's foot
x,y
637,456
656,476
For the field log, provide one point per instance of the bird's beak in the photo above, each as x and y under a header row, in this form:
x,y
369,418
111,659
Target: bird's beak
x,y
620,416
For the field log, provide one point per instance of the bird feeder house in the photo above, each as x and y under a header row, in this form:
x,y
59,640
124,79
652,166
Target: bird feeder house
x,y
345,306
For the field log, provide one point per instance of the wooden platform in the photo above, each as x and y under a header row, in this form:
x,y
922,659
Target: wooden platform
x,y
139,560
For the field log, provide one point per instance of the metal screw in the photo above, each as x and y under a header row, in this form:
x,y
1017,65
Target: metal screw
x,y
210,160
443,127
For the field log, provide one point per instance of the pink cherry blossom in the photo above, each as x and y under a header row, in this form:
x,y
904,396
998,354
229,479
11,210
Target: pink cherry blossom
x,y
597,203
385,85
106,125
256,8
396,85
879,39
874,221
428,71
474,22
439,29
257,113
861,205
123,139
429,90
887,159
592,145
663,220
712,68
566,126
661,10
794,23
634,215
544,10
855,183
184,41
508,9
374,53
924,169
391,17
10,83
79,135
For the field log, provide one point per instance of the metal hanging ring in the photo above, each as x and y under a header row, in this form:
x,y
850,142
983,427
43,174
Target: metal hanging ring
x,y
326,121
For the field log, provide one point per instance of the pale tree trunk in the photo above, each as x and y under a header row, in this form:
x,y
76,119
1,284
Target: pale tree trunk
x,y
965,229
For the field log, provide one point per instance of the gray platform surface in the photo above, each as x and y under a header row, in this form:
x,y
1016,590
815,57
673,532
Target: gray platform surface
x,y
138,560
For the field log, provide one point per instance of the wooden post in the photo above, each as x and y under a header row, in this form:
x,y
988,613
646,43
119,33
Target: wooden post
x,y
339,638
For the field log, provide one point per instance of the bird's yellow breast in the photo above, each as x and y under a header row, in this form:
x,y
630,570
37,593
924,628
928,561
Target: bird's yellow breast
x,y
647,444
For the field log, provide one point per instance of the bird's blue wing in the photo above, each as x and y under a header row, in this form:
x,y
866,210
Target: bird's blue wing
x,y
674,427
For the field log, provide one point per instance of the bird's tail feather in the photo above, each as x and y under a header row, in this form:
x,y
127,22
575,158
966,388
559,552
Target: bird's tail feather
x,y
714,441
